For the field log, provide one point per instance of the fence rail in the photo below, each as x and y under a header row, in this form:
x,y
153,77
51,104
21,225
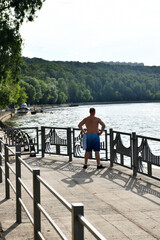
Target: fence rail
x,y
76,210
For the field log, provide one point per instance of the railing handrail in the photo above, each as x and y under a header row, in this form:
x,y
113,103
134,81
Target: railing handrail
x,y
59,128
13,152
83,220
91,228
14,128
55,193
129,134
54,225
148,138
25,164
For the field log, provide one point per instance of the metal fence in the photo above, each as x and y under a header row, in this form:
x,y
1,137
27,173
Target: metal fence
x,y
76,209
125,149
56,141
148,159
139,153
27,138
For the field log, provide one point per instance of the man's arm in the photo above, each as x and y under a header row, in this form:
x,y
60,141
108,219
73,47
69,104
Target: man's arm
x,y
80,125
102,127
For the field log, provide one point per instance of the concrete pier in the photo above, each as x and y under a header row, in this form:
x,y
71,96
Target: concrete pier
x,y
119,206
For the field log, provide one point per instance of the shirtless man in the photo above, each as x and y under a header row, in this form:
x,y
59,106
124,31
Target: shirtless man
x,y
93,141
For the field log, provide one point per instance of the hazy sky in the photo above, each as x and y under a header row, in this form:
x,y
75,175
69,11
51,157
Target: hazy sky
x,y
95,30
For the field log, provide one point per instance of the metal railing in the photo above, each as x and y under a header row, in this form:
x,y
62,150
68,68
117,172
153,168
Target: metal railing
x,y
27,138
147,159
76,209
60,138
138,155
124,149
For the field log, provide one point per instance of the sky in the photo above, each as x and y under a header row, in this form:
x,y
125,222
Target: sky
x,y
95,31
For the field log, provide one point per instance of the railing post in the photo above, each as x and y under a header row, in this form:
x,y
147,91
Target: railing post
x,y
57,149
69,142
111,148
18,185
36,200
77,227
0,161
6,172
43,140
106,142
37,139
134,147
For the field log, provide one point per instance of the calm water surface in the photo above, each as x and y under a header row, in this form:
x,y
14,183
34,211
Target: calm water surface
x,y
142,118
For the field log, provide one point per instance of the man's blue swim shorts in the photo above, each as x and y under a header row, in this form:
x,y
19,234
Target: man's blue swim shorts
x,y
93,142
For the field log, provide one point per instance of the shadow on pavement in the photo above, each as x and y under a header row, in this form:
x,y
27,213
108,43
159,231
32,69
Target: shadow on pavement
x,y
123,178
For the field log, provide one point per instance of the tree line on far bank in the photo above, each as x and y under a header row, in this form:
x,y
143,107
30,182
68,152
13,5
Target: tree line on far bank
x,y
56,82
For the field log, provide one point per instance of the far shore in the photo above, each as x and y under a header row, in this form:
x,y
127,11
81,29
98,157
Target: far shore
x,y
48,106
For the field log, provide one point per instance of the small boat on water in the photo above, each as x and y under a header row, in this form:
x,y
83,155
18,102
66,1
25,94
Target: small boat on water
x,y
33,111
23,109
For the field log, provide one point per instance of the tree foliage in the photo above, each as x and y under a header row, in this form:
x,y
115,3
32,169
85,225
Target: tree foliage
x,y
75,82
12,14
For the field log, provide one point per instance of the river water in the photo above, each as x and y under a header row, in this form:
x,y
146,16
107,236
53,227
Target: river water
x,y
142,118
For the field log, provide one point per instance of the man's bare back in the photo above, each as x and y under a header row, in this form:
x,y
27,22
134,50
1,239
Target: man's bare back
x,y
92,124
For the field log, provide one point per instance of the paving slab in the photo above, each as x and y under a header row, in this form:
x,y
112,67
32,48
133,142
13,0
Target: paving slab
x,y
119,206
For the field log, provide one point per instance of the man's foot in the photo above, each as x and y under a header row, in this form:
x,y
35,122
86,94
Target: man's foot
x,y
100,166
85,166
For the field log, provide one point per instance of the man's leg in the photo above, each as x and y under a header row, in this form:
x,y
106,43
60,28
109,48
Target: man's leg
x,y
86,157
97,157
99,166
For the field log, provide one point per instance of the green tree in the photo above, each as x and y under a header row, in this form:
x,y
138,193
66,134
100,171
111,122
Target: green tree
x,y
53,94
46,93
73,91
22,96
36,84
12,15
157,95
4,95
61,97
30,91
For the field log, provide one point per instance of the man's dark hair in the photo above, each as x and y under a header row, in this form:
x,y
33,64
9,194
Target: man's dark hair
x,y
92,110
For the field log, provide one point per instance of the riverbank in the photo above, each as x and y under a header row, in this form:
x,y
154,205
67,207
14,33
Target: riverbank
x,y
4,116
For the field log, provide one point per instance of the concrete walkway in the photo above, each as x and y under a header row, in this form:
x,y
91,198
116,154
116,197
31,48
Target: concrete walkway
x,y
118,206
